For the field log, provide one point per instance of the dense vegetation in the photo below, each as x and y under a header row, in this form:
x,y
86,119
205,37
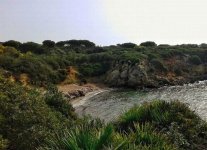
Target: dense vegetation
x,y
28,117
31,118
157,125
48,62
43,119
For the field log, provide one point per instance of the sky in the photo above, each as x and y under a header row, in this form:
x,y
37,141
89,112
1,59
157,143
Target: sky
x,y
105,22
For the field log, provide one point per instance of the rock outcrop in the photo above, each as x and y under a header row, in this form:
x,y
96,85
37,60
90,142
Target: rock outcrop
x,y
73,91
128,74
144,74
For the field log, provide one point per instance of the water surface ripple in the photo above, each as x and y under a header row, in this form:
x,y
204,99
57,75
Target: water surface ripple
x,y
109,104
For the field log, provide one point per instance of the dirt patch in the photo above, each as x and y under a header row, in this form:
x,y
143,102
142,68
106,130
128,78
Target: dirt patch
x,y
72,91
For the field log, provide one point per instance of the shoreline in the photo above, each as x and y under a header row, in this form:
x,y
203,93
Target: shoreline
x,y
79,94
92,89
82,100
102,107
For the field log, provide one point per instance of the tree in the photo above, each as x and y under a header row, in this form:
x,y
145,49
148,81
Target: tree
x,y
87,43
148,44
195,60
12,43
203,45
128,45
76,43
31,46
61,43
83,43
48,43
189,45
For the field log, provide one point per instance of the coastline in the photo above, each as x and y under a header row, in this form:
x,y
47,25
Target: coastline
x,y
79,94
108,107
81,100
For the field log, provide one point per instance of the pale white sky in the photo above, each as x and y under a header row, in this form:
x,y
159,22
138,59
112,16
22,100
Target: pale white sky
x,y
105,22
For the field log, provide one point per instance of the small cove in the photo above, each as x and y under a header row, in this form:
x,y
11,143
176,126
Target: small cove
x,y
109,104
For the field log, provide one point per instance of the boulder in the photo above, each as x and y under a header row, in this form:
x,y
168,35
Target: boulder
x,y
113,77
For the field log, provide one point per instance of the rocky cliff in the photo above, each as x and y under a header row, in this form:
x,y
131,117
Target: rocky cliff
x,y
155,73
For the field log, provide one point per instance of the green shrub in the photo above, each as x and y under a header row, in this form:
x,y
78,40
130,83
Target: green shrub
x,y
203,45
91,135
39,70
151,126
55,100
178,70
155,111
134,57
12,43
48,43
93,69
146,136
32,47
151,56
43,62
127,45
3,143
10,51
195,60
6,62
162,115
26,120
158,65
148,44
85,136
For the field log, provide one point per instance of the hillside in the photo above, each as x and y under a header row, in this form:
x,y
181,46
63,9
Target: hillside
x,y
35,115
31,120
126,65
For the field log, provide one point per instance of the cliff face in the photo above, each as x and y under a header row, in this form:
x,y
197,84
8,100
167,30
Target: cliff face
x,y
154,73
126,74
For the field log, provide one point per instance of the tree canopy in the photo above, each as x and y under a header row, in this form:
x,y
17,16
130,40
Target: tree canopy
x,y
48,43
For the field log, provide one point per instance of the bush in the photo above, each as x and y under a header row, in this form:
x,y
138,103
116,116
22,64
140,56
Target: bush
x,y
93,69
158,65
178,70
82,137
83,43
152,126
12,43
189,45
88,136
32,47
148,44
3,143
95,50
134,57
127,45
95,135
55,100
163,116
203,45
48,43
151,56
6,62
26,119
10,51
145,136
46,63
195,60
